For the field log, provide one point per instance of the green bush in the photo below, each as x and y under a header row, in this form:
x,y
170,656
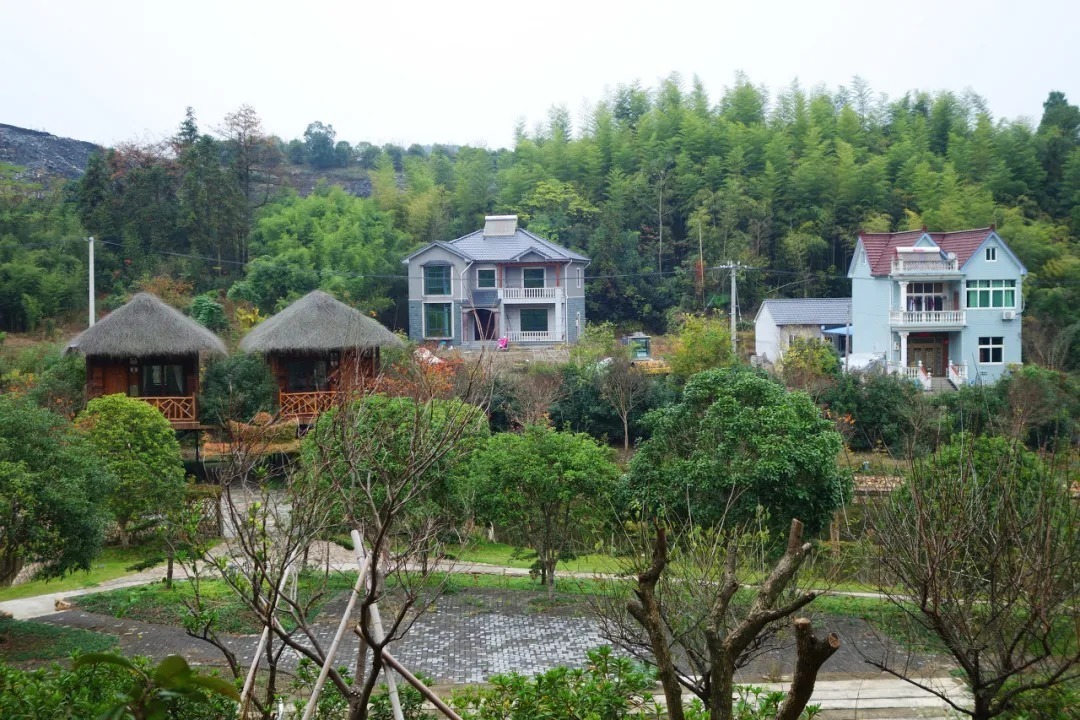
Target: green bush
x,y
208,312
879,406
61,387
140,449
607,688
237,388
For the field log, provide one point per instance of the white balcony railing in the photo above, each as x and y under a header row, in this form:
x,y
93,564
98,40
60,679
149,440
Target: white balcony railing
x,y
534,336
928,317
924,267
545,293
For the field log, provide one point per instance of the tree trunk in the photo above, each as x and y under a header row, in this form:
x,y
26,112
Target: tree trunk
x,y
626,432
550,570
11,564
722,690
811,654
123,534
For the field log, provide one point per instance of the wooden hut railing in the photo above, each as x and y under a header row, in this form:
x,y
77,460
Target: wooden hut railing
x,y
176,409
307,404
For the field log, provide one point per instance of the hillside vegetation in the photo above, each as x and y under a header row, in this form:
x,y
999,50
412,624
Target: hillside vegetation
x,y
653,181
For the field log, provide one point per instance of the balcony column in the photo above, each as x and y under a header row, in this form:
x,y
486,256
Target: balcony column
x,y
903,349
903,296
560,322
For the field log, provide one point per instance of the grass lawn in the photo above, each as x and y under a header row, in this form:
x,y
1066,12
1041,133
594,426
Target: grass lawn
x,y
111,564
23,640
160,605
508,556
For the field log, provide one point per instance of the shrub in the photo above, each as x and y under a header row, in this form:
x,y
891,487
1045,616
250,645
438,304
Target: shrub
x,y
139,447
236,387
208,312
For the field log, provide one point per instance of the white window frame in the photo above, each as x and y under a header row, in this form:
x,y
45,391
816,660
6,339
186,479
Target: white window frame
x,y
991,254
580,277
990,345
978,287
534,267
495,274
423,320
423,281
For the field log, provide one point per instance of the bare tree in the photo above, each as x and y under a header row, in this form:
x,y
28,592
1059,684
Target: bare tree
x,y
375,464
981,549
688,617
624,387
536,389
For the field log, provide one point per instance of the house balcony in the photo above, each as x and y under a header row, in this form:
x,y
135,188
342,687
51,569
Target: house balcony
x,y
179,410
540,295
929,267
305,407
937,319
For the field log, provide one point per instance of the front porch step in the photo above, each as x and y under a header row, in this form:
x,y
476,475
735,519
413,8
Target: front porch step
x,y
941,384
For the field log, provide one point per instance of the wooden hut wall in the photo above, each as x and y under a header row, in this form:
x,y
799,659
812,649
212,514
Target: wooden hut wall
x,y
110,376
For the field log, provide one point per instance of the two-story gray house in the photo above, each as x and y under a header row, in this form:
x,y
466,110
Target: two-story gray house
x,y
498,282
938,305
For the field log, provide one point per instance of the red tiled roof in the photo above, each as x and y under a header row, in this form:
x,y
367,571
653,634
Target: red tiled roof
x,y
881,247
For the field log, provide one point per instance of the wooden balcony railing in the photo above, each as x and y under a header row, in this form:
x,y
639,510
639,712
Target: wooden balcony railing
x,y
179,409
307,405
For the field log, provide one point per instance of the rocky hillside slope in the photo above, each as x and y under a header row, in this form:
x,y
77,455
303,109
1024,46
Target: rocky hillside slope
x,y
42,154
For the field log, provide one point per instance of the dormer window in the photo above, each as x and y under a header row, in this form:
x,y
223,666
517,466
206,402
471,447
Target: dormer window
x,y
991,254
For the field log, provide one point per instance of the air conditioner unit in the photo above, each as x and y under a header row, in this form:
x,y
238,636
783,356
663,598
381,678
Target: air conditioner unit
x,y
1008,315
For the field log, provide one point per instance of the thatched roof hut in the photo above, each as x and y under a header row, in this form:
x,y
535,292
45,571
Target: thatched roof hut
x,y
146,327
317,323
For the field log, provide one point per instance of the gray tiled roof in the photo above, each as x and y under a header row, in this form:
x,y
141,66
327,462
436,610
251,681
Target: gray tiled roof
x,y
506,248
809,311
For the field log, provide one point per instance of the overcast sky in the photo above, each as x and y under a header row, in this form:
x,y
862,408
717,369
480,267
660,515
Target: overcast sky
x,y
468,71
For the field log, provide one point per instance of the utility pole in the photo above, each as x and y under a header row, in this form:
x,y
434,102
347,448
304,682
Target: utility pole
x,y
734,343
93,313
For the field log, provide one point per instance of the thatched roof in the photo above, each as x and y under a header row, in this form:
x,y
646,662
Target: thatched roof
x,y
317,323
143,327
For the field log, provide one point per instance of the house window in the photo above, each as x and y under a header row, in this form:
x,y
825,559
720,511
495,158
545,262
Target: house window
x,y
437,320
305,375
991,349
580,276
485,278
534,277
159,380
925,297
437,280
991,293
991,254
534,319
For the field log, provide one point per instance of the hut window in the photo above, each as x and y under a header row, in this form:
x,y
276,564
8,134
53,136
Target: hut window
x,y
437,280
306,375
159,379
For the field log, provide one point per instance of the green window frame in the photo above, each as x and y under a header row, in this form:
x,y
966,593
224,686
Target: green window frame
x,y
485,278
437,280
534,320
534,277
991,294
438,323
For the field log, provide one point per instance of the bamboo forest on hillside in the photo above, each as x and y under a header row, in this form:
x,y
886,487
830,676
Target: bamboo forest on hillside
x,y
657,186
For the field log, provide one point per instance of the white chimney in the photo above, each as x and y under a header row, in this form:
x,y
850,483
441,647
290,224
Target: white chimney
x,y
500,225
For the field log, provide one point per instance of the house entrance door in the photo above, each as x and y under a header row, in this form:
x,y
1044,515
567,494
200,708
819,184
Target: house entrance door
x,y
931,353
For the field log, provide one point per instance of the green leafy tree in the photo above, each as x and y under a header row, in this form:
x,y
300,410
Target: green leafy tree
x,y
702,343
810,365
140,449
545,488
208,312
236,387
52,492
735,442
319,145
